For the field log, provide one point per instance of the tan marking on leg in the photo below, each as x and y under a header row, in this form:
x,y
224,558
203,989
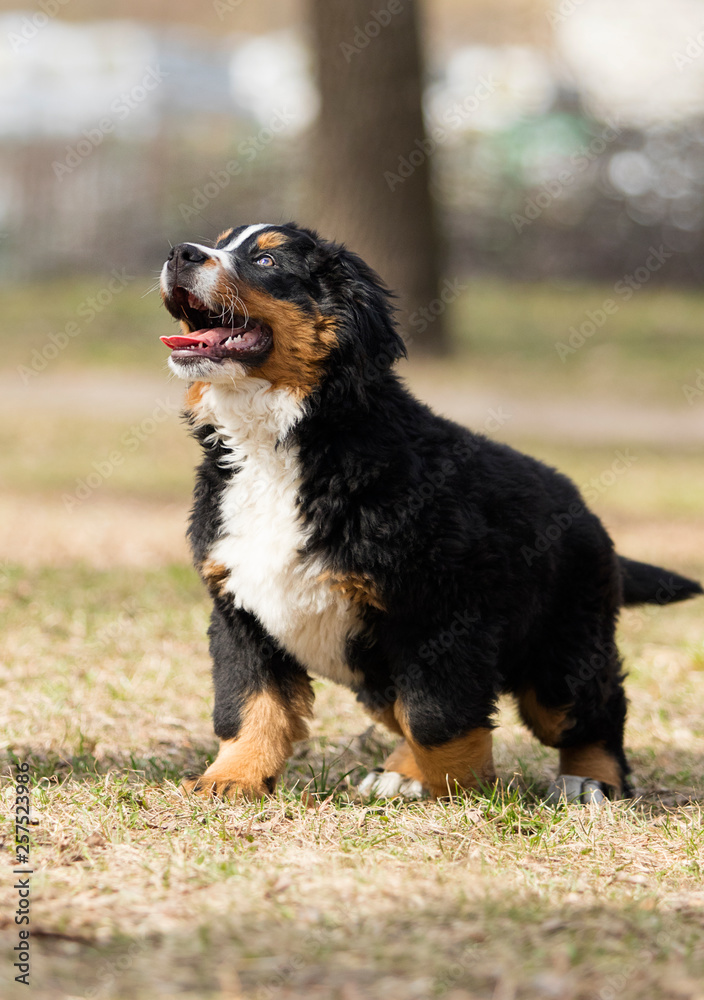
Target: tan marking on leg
x,y
271,240
591,761
356,587
215,575
548,724
401,759
252,762
386,717
466,761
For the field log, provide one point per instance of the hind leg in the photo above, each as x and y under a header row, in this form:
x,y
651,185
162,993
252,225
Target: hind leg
x,y
593,746
584,717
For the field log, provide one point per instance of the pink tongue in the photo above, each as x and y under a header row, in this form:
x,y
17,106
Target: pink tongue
x,y
209,338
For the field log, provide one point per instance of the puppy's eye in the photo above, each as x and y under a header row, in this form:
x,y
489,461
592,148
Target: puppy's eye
x,y
266,261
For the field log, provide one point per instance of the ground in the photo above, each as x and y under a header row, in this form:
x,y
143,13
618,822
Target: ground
x,y
139,893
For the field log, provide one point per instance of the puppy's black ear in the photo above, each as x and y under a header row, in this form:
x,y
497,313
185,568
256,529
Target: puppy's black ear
x,y
367,329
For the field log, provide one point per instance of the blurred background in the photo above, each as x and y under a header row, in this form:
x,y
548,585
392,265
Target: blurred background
x,y
528,175
529,178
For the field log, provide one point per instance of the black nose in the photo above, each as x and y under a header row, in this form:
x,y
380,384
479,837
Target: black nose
x,y
186,253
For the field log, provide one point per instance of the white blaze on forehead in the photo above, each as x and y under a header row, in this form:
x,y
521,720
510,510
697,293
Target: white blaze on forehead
x,y
237,241
223,253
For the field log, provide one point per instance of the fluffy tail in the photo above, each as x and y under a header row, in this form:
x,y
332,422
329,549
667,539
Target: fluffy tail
x,y
646,584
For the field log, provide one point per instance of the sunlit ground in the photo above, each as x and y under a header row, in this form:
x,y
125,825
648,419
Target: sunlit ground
x,y
139,893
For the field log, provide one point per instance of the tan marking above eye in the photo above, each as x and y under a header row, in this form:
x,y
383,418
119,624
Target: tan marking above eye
x,y
224,235
271,240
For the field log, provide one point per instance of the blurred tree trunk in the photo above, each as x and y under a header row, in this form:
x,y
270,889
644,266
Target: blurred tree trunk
x,y
370,173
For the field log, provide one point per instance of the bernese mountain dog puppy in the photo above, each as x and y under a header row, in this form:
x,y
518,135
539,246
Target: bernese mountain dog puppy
x,y
346,531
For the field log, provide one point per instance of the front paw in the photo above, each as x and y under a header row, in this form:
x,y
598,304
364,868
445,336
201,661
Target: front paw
x,y
226,787
390,785
575,789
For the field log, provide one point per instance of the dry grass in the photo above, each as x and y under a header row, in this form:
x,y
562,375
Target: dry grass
x,y
139,893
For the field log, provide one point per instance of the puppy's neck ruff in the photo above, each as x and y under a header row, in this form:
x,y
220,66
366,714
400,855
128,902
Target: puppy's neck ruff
x,y
249,410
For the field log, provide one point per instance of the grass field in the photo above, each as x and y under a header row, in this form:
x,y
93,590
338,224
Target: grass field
x,y
140,893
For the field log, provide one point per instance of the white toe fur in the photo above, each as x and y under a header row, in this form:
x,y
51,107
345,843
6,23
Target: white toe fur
x,y
390,785
577,789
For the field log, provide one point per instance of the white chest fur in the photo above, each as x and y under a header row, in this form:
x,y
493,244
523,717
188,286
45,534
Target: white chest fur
x,y
263,535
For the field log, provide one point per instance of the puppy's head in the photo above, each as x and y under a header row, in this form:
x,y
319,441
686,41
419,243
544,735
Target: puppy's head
x,y
278,303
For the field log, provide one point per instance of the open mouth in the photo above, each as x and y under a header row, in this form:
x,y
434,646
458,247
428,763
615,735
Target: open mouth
x,y
224,336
